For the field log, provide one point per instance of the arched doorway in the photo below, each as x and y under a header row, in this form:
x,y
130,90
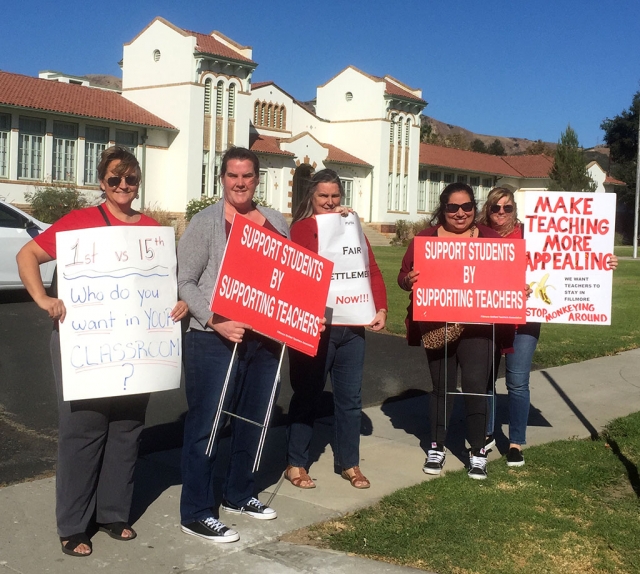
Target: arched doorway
x,y
301,178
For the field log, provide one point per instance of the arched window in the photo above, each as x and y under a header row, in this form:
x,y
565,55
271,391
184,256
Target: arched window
x,y
219,96
407,132
232,101
283,118
256,113
391,127
207,96
269,114
400,130
276,118
263,113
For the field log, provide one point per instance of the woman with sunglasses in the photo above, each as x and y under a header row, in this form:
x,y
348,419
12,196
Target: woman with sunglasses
x,y
473,351
97,438
500,212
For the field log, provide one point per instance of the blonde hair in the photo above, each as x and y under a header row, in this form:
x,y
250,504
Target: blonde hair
x,y
495,195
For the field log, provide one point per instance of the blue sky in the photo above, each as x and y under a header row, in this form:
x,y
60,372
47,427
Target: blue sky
x,y
508,68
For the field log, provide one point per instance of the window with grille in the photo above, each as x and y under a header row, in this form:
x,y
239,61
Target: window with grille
x,y
219,96
407,132
390,192
256,113
30,147
95,142
65,137
283,118
422,195
462,178
447,178
231,112
391,131
487,183
5,131
127,139
207,96
261,190
347,185
405,192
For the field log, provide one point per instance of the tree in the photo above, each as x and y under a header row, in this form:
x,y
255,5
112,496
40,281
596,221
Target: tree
x,y
621,135
428,134
539,147
478,145
569,171
457,141
496,148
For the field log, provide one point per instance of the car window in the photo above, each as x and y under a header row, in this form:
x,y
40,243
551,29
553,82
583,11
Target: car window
x,y
11,219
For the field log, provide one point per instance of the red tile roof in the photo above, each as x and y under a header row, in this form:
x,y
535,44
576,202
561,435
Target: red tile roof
x,y
210,45
336,155
394,90
257,85
259,143
530,166
464,160
69,99
613,181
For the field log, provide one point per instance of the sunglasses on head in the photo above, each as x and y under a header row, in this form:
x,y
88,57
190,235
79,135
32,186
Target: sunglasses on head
x,y
507,208
116,179
454,207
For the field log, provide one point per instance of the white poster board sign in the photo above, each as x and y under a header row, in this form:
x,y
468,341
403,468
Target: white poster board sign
x,y
118,285
341,240
569,238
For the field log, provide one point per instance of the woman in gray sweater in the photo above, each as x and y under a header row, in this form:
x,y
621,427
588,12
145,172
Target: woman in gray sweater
x,y
209,345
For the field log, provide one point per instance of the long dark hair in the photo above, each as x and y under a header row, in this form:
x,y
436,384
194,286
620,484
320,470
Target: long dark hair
x,y
438,216
305,209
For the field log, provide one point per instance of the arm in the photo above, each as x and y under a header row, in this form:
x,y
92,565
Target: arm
x,y
29,259
407,276
379,292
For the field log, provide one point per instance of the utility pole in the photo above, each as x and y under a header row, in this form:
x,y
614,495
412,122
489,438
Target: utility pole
x,y
635,215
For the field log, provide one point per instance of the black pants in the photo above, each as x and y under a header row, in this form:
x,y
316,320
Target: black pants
x,y
473,352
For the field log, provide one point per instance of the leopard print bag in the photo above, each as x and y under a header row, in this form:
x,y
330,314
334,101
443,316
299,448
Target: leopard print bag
x,y
433,334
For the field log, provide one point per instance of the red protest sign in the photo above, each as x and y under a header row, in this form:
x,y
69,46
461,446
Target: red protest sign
x,y
469,280
274,285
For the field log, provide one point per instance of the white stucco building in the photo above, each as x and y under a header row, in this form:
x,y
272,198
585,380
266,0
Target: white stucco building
x,y
186,97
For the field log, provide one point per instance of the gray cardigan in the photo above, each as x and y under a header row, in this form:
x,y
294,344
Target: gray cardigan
x,y
200,253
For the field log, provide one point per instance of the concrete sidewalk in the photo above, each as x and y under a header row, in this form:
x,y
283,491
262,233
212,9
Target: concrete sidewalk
x,y
571,401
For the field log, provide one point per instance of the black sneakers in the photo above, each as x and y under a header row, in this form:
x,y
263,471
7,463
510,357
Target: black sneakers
x,y
253,508
435,459
514,457
211,529
489,443
478,466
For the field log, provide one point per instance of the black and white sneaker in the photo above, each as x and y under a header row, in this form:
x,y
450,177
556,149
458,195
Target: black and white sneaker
x,y
478,466
211,529
489,443
435,459
515,457
253,508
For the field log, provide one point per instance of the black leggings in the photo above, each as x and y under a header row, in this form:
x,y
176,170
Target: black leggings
x,y
474,353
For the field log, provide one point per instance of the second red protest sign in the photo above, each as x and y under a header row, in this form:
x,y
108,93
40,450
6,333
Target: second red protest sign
x,y
469,280
274,285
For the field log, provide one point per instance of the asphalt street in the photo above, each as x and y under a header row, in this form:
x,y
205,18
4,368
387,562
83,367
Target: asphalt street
x,y
28,411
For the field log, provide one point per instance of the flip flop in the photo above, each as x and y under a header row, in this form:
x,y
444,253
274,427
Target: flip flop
x,y
302,477
73,541
115,529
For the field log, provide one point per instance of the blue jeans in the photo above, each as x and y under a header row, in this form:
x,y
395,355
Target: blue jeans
x,y
341,354
207,358
518,368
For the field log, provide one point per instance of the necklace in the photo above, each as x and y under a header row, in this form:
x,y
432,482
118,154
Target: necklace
x,y
473,231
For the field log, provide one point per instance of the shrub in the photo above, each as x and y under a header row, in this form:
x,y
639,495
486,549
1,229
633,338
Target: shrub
x,y
406,230
162,216
51,202
197,205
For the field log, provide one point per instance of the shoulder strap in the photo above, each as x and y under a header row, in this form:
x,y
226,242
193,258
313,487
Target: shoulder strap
x,y
106,219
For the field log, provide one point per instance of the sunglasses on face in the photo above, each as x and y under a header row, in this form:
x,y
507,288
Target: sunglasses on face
x,y
454,207
114,181
507,208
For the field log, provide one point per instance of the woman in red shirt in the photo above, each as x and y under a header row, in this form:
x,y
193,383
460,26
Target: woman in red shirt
x,y
340,353
97,438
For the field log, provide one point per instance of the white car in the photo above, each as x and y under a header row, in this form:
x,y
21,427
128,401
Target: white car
x,y
16,229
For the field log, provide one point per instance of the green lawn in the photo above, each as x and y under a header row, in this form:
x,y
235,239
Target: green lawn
x,y
573,509
559,344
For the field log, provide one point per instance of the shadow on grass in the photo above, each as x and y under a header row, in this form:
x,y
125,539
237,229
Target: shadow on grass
x,y
632,469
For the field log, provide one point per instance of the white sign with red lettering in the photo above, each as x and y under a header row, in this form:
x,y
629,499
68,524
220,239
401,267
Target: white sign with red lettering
x,y
569,238
341,240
